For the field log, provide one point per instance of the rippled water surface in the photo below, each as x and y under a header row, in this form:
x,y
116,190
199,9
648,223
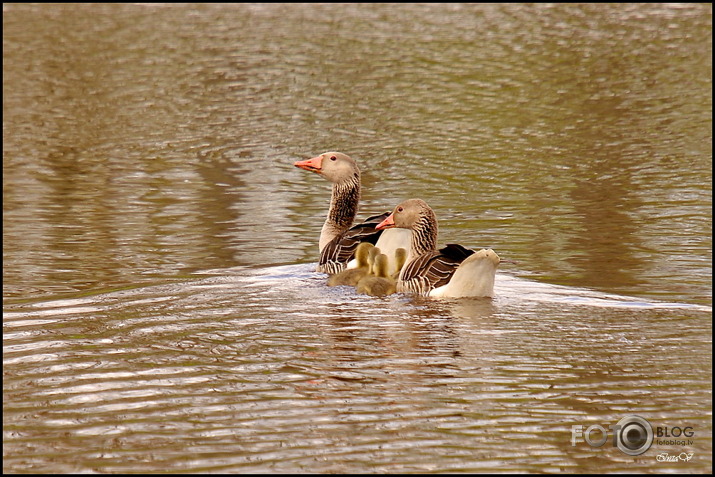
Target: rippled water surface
x,y
160,309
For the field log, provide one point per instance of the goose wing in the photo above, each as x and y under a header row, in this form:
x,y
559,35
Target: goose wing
x,y
434,269
341,249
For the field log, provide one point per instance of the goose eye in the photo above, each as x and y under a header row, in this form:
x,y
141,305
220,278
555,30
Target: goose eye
x,y
332,158
399,209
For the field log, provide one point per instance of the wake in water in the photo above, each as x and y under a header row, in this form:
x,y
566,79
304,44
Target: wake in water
x,y
300,282
506,286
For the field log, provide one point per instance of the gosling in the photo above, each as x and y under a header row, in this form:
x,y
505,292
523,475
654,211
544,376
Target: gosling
x,y
353,275
379,285
400,259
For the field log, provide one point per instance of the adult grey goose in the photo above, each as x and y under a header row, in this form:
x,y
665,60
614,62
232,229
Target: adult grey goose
x,y
338,237
452,271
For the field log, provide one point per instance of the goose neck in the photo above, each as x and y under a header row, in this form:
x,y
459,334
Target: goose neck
x,y
424,236
343,208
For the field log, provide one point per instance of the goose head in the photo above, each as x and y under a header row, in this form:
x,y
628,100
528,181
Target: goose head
x,y
409,214
373,253
417,216
400,258
333,166
363,254
380,266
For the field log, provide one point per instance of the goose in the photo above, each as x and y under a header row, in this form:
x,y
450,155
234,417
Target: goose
x,y
374,252
350,276
379,284
338,238
400,259
452,271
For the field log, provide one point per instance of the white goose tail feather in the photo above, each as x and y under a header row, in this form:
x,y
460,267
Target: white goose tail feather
x,y
473,278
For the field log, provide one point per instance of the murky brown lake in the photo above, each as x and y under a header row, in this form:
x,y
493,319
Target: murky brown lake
x,y
160,309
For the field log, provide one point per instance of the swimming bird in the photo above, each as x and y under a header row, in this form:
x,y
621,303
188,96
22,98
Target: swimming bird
x,y
379,284
338,237
452,271
400,259
351,276
374,252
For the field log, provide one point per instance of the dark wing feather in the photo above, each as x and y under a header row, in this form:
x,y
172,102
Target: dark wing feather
x,y
436,267
342,248
456,252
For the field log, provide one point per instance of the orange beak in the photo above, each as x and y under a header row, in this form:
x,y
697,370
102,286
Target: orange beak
x,y
313,165
388,223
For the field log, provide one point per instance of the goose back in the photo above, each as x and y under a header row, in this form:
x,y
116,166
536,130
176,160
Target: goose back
x,y
432,269
341,249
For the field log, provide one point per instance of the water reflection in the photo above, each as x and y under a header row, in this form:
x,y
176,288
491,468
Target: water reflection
x,y
194,134
240,356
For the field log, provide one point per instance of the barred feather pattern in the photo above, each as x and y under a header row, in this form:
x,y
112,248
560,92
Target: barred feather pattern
x,y
331,268
424,233
335,255
344,203
429,268
417,285
339,251
343,208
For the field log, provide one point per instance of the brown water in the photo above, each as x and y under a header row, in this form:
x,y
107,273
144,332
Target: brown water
x,y
160,312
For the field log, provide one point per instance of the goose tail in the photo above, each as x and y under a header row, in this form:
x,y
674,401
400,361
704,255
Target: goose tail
x,y
473,278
